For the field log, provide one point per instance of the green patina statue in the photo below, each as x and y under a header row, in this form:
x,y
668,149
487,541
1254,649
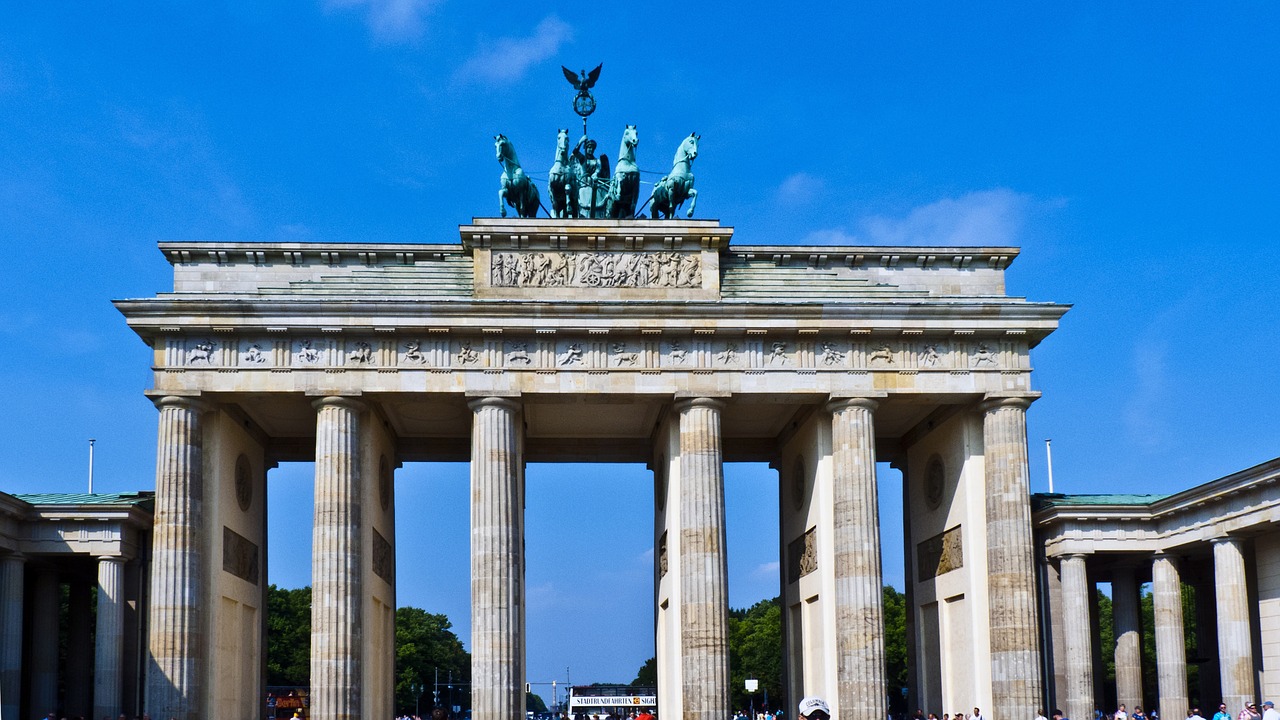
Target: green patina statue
x,y
670,192
517,190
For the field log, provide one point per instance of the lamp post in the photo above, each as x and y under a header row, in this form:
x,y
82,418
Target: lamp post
x,y
752,685
417,687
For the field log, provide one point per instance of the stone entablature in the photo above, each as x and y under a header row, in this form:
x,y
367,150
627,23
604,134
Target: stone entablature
x,y
59,526
1244,503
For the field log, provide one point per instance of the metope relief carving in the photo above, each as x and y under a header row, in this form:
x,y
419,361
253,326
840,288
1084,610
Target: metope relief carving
x,y
572,355
467,355
678,353
881,354
778,356
413,353
623,356
307,353
518,353
931,355
361,353
201,352
831,355
254,355
983,355
596,269
727,356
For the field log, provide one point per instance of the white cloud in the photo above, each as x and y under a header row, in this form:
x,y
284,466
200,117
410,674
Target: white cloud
x,y
799,188
506,60
1143,409
390,19
985,217
766,571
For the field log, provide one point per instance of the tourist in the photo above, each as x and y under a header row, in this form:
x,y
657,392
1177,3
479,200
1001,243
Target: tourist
x,y
1121,714
1040,714
1250,712
1057,715
814,708
1222,713
1138,714
1269,711
1194,714
977,715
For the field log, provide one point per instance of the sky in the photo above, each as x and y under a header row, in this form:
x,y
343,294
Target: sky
x,y
1130,149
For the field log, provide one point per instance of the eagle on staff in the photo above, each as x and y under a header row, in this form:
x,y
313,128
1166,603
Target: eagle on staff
x,y
582,81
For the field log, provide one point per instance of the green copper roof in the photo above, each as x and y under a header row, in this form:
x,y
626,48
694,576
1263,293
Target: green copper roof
x,y
1044,500
142,499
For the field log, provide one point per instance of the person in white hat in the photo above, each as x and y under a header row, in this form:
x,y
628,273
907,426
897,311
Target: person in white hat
x,y
1269,711
814,708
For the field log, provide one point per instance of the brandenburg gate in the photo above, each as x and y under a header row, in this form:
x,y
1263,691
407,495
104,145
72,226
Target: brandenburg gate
x,y
536,340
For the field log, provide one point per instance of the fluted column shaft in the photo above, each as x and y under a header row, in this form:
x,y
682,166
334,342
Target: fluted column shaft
x,y
44,647
11,593
497,560
1171,649
335,563
704,588
177,642
109,644
1235,646
1077,596
859,593
1124,604
1014,635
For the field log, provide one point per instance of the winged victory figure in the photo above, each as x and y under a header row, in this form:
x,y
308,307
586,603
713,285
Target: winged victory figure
x,y
582,81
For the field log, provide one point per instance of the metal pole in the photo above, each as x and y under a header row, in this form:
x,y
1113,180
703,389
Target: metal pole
x,y
1048,453
91,441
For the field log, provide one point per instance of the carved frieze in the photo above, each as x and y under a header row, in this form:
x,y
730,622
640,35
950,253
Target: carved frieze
x,y
384,559
698,350
533,269
940,554
239,556
802,555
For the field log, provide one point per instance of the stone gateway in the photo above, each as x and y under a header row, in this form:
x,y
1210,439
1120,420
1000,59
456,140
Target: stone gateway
x,y
641,341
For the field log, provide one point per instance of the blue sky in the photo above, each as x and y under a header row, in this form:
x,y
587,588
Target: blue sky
x,y
1130,149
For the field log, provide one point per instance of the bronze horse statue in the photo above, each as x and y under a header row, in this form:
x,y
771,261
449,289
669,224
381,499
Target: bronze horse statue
x,y
670,192
517,189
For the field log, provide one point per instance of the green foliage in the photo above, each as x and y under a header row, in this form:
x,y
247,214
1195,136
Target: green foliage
x,y
755,651
426,643
647,675
895,647
534,703
288,636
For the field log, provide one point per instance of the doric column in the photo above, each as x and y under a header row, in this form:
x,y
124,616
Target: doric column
x,y
1124,604
177,640
1235,647
704,605
335,562
1014,634
44,650
78,688
1171,650
1077,596
859,593
497,560
11,593
109,645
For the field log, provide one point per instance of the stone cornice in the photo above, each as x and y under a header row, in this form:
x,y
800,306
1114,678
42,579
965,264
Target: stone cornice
x,y
1245,502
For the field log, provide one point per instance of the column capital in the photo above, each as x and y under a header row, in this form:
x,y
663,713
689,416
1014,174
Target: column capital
x,y
683,404
350,403
110,558
498,401
15,556
997,401
186,402
836,404
1227,540
1166,555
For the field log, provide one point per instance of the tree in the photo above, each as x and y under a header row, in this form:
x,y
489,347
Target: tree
x,y
425,644
755,651
895,648
647,675
288,636
533,703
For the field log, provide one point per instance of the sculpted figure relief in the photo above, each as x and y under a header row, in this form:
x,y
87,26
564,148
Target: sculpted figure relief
x,y
596,269
201,352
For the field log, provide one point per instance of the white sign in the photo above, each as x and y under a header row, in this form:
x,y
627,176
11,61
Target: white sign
x,y
612,700
752,684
